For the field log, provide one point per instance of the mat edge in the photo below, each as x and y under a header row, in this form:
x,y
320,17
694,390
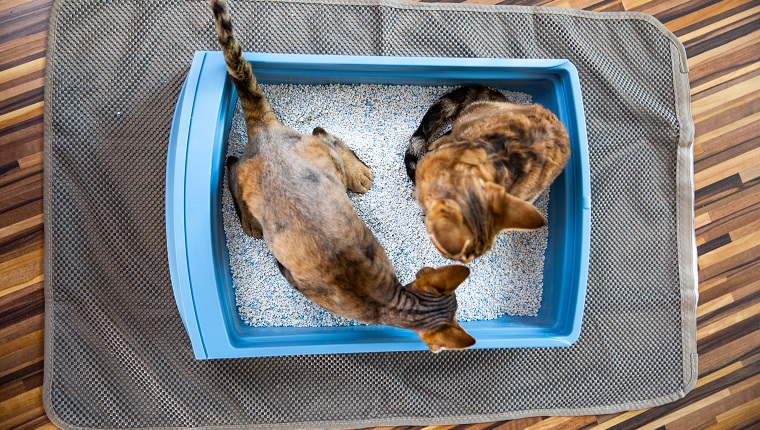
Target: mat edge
x,y
47,378
686,234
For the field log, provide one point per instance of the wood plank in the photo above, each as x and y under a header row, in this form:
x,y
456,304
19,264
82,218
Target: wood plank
x,y
656,424
724,205
24,69
713,328
725,78
738,221
715,104
722,408
746,412
720,25
721,62
741,130
21,114
727,353
731,281
749,160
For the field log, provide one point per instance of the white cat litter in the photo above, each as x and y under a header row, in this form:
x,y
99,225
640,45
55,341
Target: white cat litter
x,y
376,122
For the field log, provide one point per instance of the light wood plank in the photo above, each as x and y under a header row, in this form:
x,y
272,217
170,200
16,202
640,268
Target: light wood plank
x,y
704,14
730,320
21,115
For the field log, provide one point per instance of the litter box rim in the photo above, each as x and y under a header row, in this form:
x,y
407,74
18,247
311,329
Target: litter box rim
x,y
197,259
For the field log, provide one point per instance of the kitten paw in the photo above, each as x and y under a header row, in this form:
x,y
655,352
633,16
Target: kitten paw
x,y
358,177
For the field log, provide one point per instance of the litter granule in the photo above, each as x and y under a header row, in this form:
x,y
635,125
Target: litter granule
x,y
376,122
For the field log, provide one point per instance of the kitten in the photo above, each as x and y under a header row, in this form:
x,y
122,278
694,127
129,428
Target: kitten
x,y
480,177
290,189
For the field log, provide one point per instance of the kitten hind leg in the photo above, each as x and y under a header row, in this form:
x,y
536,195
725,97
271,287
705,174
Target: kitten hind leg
x,y
251,225
439,117
358,177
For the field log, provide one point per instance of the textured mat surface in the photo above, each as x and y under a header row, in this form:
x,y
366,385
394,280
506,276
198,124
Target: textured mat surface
x,y
116,352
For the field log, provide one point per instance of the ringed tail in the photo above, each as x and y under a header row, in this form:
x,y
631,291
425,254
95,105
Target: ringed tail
x,y
255,107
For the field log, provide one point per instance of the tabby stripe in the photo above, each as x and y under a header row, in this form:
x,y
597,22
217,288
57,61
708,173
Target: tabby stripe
x,y
402,300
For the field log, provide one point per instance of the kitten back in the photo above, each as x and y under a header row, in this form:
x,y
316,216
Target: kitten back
x,y
255,106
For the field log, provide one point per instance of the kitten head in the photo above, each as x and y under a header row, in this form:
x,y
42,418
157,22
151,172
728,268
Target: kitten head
x,y
442,282
464,225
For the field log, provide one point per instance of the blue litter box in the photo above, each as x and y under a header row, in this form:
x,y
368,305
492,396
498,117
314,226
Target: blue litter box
x,y
198,257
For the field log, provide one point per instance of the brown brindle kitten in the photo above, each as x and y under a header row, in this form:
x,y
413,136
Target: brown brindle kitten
x,y
480,177
290,189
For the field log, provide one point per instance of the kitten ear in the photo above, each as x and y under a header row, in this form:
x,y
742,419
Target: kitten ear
x,y
443,280
511,213
447,336
446,229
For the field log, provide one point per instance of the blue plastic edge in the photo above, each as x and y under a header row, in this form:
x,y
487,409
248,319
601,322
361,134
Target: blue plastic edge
x,y
175,197
202,309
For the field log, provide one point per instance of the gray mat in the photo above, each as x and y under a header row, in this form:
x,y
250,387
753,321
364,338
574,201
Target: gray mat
x,y
116,352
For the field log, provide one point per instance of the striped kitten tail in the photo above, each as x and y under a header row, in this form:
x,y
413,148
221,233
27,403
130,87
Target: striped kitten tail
x,y
255,107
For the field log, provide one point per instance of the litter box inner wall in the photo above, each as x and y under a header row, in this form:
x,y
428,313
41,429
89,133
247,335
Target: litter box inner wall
x,y
542,90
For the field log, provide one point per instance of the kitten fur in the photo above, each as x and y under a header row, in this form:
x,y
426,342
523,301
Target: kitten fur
x,y
290,189
480,177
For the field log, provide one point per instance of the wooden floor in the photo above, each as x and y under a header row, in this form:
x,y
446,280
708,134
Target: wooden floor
x,y
722,40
